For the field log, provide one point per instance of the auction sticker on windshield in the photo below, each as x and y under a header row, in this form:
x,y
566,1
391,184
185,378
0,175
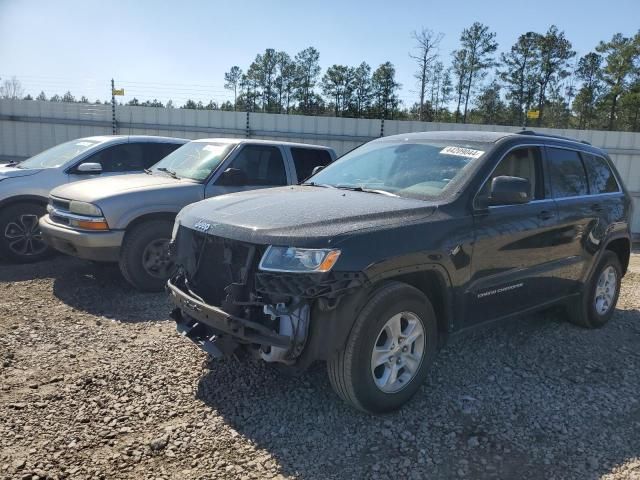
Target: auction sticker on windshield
x,y
461,152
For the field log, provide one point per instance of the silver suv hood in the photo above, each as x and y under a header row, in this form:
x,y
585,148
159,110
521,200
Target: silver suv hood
x,y
98,189
12,172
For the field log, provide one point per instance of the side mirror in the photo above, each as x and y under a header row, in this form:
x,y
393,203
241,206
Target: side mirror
x,y
233,177
509,191
89,167
316,169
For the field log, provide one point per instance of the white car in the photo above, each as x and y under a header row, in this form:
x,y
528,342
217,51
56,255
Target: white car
x,y
25,186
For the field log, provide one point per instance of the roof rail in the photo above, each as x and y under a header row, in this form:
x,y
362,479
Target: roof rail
x,y
532,132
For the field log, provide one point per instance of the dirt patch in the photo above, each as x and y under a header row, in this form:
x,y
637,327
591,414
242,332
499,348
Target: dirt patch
x,y
95,383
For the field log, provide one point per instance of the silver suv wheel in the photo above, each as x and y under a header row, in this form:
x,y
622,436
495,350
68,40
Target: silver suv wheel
x,y
605,290
398,352
23,236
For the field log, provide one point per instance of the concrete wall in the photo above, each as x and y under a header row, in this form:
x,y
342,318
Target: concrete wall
x,y
28,127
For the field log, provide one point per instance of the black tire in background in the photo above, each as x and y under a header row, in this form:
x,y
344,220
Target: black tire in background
x,y
598,302
144,258
351,372
20,237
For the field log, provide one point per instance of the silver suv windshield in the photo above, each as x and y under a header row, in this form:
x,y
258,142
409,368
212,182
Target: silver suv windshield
x,y
412,169
59,155
194,160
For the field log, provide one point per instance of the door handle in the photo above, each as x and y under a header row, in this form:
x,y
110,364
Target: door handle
x,y
545,215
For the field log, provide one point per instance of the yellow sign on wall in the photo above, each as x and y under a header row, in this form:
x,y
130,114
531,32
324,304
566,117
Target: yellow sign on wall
x,y
117,91
533,114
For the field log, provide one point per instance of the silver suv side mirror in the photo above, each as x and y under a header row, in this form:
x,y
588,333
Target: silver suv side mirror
x,y
89,167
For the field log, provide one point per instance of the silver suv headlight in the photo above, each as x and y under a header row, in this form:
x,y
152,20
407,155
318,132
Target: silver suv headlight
x,y
298,260
84,208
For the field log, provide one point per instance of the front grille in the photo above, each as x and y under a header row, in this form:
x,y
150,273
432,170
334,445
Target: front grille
x,y
59,203
215,267
62,206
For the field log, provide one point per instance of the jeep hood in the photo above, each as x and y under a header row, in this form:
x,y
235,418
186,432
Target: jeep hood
x,y
13,172
98,189
300,215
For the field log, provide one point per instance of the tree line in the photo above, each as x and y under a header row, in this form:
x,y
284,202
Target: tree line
x,y
539,73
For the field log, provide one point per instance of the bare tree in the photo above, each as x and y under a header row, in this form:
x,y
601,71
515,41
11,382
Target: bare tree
x,y
427,43
11,88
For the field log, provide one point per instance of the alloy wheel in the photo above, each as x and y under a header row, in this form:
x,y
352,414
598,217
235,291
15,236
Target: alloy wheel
x,y
23,236
606,290
398,352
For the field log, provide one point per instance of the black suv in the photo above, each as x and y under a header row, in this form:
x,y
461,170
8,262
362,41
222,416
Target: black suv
x,y
374,261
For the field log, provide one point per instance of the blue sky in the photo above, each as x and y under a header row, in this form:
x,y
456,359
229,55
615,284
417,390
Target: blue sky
x,y
182,49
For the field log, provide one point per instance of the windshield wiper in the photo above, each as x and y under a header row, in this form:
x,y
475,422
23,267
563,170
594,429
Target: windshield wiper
x,y
148,172
367,190
168,172
314,184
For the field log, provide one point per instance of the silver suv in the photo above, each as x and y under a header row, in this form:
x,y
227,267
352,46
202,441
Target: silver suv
x,y
25,186
129,219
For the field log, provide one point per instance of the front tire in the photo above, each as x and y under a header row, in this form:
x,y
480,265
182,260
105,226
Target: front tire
x,y
596,305
144,260
20,236
389,350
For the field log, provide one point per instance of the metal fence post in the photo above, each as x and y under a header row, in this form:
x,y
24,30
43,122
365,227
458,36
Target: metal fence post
x,y
248,129
114,127
382,127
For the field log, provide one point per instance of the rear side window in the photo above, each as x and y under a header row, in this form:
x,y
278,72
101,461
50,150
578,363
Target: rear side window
x,y
306,159
154,152
262,165
601,178
568,177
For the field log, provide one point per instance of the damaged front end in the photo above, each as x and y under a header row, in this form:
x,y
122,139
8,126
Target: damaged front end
x,y
223,301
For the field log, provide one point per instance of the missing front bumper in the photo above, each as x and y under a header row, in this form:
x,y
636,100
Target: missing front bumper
x,y
215,322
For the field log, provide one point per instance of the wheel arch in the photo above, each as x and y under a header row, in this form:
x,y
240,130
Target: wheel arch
x,y
147,217
332,327
7,202
621,246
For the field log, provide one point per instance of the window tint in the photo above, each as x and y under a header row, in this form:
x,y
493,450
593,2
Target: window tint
x,y
262,165
601,178
306,159
568,178
521,162
126,157
154,152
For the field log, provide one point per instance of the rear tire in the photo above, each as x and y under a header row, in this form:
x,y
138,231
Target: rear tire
x,y
386,338
20,236
144,259
597,304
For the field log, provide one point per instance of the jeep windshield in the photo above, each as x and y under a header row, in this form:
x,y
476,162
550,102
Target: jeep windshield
x,y
58,155
421,170
194,160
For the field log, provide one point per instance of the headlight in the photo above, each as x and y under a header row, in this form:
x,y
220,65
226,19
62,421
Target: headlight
x,y
84,208
291,259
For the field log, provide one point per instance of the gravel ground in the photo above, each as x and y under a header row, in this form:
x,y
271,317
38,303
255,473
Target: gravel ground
x,y
95,383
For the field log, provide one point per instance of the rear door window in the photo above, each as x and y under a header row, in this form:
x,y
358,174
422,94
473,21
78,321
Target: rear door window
x,y
567,173
306,159
601,177
262,165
